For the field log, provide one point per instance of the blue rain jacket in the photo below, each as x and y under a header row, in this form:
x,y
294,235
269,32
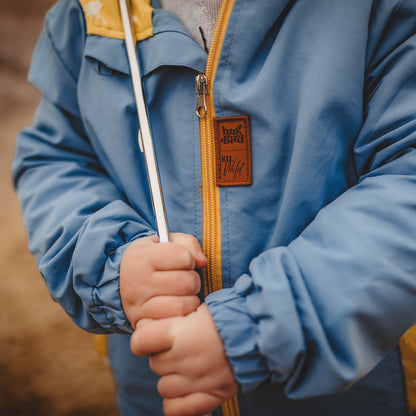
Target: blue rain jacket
x,y
318,255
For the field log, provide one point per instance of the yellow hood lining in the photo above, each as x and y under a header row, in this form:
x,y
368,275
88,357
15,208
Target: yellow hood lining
x,y
103,18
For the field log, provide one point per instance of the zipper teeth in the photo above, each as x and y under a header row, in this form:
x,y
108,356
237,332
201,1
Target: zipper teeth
x,y
215,38
210,204
230,407
210,192
212,271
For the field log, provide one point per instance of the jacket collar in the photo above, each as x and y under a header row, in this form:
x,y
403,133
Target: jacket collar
x,y
169,45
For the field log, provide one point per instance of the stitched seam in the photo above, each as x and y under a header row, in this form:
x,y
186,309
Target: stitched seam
x,y
228,239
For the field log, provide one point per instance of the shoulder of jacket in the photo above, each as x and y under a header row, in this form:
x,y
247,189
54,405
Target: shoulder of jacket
x,y
103,18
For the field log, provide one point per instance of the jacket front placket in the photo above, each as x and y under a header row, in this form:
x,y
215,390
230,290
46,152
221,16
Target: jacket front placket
x,y
210,191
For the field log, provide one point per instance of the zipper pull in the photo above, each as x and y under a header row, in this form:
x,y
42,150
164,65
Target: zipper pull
x,y
201,87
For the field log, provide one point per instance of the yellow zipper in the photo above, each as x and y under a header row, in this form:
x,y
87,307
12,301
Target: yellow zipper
x,y
210,192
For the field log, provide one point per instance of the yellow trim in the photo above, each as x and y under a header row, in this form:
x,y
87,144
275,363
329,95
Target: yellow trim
x,y
230,407
103,18
210,192
101,345
408,351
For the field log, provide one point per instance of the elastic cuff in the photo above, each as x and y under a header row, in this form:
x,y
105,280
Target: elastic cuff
x,y
239,334
107,308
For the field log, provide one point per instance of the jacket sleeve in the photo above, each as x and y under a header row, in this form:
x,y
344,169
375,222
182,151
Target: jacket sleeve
x,y
78,222
321,313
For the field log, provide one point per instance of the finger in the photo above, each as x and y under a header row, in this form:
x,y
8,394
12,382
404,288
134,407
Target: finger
x,y
176,282
192,244
160,307
175,385
170,256
162,256
151,337
194,404
171,361
161,364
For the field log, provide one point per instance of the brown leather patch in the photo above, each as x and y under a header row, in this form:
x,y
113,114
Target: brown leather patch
x,y
232,150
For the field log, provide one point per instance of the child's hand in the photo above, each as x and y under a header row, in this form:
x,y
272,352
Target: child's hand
x,y
158,280
189,355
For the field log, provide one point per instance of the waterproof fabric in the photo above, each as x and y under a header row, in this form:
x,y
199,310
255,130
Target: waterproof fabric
x,y
318,254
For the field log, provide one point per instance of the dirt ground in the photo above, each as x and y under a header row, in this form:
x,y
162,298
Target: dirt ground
x,y
48,366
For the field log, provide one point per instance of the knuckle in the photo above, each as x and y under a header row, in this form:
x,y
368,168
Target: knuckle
x,y
195,283
179,307
187,283
183,256
156,253
193,241
185,305
161,387
187,240
168,409
152,364
177,254
138,256
134,344
141,245
190,283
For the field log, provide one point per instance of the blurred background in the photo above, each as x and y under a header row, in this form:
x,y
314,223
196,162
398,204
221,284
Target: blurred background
x,y
48,366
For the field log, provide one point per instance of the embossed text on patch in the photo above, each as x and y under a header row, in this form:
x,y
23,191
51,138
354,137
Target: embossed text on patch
x,y
232,151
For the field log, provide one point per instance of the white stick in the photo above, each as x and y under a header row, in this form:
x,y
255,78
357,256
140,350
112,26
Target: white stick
x,y
145,136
